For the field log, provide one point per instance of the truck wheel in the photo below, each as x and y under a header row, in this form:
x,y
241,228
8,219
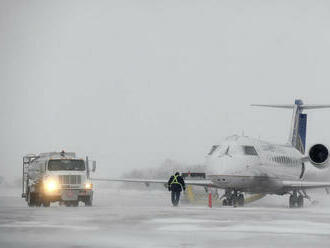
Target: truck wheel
x,y
46,203
37,200
31,200
89,202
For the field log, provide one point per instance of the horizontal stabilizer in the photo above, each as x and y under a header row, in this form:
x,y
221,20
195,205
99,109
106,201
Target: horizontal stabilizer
x,y
312,106
291,106
286,106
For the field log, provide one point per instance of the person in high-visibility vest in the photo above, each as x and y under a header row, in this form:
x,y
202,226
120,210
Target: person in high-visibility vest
x,y
176,185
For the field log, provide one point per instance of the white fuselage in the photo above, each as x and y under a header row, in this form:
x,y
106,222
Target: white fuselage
x,y
243,162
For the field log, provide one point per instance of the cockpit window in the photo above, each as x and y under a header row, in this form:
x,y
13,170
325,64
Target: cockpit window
x,y
213,149
250,150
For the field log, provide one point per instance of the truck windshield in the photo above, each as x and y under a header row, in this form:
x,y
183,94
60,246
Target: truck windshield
x,y
66,164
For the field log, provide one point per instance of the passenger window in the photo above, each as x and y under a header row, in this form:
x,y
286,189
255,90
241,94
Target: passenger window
x,y
250,150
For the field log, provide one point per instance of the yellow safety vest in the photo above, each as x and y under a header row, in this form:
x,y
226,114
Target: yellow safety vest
x,y
175,181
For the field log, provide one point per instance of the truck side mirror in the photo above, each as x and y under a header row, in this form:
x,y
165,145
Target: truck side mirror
x,y
94,166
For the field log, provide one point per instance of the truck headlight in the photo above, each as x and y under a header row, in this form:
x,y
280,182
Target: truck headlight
x,y
51,186
88,185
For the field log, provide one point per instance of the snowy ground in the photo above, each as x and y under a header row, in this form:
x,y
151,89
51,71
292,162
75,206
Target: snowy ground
x,y
126,218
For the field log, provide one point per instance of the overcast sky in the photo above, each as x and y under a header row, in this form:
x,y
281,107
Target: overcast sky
x,y
131,83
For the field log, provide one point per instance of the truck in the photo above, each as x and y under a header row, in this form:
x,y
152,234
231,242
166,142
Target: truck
x,y
57,177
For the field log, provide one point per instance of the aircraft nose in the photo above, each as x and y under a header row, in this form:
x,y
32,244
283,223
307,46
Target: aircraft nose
x,y
226,166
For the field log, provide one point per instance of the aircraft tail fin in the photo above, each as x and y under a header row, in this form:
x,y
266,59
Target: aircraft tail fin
x,y
297,137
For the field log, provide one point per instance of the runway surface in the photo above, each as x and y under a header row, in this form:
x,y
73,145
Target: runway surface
x,y
131,218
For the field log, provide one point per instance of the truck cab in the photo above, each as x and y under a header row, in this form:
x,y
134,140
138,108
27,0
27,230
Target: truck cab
x,y
57,177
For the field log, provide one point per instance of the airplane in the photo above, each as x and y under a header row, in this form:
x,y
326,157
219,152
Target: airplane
x,y
246,165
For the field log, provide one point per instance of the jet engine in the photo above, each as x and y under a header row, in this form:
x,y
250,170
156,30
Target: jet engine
x,y
318,156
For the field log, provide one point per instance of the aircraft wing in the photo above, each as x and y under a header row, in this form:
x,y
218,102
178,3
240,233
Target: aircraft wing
x,y
305,184
196,182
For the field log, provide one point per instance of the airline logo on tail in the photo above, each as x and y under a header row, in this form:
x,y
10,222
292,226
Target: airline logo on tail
x,y
301,138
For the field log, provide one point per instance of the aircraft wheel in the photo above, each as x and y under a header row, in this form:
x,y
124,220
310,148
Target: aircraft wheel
x,y
300,201
235,201
240,200
293,201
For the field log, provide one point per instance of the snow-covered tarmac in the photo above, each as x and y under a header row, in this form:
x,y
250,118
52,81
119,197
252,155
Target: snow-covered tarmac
x,y
128,218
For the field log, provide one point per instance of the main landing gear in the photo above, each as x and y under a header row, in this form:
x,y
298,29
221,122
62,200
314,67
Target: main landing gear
x,y
296,199
233,198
